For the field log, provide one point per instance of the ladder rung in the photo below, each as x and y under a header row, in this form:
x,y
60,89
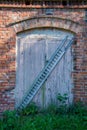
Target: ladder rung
x,y
45,72
33,89
47,69
55,59
43,75
60,51
29,95
35,86
31,92
38,82
56,56
27,98
51,64
22,105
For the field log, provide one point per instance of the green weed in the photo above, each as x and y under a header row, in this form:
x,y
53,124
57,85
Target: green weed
x,y
10,120
53,118
29,110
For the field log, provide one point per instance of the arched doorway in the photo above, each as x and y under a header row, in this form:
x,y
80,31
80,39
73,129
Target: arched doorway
x,y
34,49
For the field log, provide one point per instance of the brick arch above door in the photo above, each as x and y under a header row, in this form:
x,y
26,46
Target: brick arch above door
x,y
45,21
67,25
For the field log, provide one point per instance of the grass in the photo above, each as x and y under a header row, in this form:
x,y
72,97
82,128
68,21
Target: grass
x,y
75,118
53,122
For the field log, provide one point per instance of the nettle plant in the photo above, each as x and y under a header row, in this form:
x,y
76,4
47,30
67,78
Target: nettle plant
x,y
62,99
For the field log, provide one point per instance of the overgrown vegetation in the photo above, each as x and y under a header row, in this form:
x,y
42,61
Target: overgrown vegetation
x,y
31,109
63,117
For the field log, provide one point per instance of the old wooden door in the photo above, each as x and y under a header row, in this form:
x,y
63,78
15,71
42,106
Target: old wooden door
x,y
33,52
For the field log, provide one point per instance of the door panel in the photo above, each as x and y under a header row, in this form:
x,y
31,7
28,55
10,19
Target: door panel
x,y
30,61
33,52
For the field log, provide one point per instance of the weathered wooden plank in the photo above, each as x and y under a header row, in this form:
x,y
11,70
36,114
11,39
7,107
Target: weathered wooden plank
x,y
19,72
50,96
38,64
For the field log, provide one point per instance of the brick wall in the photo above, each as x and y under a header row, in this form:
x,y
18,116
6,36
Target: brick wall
x,y
72,17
